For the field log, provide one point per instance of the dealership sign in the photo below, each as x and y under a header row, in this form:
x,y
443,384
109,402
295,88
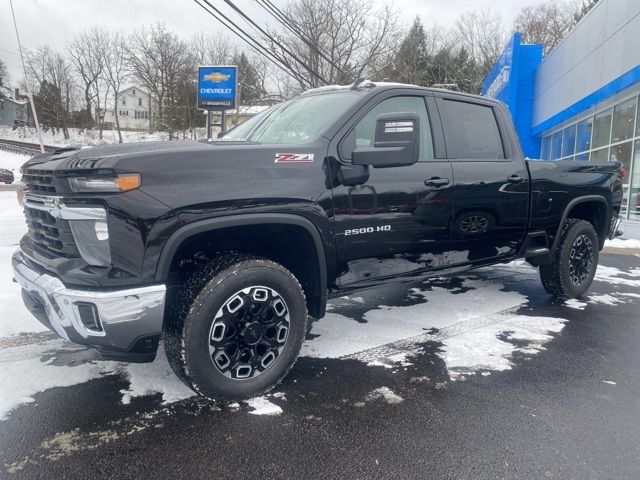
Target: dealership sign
x,y
217,87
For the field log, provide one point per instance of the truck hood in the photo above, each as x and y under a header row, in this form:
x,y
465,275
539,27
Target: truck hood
x,y
105,156
177,172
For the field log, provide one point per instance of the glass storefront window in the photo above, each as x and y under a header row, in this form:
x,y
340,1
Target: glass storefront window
x,y
568,140
583,156
584,135
546,148
600,155
623,117
634,191
601,129
622,153
556,146
638,120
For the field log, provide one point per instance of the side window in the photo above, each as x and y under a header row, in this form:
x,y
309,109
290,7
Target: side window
x,y
473,131
366,128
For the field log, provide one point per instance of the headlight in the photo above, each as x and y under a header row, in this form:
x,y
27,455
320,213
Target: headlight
x,y
113,183
92,240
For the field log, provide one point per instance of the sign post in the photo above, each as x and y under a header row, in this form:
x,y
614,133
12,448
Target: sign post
x,y
217,92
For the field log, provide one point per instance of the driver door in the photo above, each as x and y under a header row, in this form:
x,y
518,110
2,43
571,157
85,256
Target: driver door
x,y
396,222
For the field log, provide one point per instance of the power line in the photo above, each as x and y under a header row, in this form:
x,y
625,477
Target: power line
x,y
287,22
253,43
285,49
292,24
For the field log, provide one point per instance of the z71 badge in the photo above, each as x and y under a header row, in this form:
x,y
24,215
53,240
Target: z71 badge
x,y
294,157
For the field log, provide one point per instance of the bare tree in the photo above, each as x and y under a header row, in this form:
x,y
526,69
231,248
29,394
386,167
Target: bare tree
x,y
115,72
344,40
52,75
547,23
211,49
86,52
4,74
582,9
162,62
481,35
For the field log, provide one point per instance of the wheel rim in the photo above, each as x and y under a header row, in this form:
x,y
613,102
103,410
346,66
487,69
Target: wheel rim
x,y
580,259
474,224
249,332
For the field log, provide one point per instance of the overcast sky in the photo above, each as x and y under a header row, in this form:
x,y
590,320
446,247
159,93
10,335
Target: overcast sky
x,y
53,22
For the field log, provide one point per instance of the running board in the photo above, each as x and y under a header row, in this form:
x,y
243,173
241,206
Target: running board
x,y
535,252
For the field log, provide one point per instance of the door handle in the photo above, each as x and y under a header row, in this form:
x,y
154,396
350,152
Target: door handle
x,y
436,182
515,179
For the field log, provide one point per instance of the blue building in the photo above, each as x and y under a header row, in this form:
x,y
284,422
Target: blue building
x,y
580,102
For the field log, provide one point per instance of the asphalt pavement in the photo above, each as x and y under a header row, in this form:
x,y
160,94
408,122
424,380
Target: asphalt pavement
x,y
568,409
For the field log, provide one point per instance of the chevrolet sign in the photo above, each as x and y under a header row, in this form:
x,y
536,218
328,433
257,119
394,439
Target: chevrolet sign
x,y
217,87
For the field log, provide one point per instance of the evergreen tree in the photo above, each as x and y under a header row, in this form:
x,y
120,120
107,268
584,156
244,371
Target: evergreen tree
x,y
249,81
412,59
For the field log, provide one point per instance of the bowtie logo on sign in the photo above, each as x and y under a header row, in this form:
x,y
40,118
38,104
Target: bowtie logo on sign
x,y
216,77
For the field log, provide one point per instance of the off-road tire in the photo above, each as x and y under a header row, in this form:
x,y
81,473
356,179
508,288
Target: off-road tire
x,y
556,277
188,331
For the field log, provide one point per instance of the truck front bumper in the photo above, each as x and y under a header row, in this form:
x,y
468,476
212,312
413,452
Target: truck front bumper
x,y
121,324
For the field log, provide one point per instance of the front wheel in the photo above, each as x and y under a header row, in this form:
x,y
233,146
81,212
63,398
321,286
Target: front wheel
x,y
237,327
575,261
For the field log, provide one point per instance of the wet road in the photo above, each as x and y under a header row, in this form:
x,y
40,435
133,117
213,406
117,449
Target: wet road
x,y
527,388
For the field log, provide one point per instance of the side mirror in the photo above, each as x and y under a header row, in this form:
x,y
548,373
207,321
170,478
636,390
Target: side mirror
x,y
396,144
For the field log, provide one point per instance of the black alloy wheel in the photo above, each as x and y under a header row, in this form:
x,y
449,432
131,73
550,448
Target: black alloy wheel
x,y
249,332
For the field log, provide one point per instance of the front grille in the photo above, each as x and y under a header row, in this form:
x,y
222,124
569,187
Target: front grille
x,y
39,181
49,234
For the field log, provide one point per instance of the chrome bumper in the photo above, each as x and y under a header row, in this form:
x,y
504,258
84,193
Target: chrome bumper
x,y
112,320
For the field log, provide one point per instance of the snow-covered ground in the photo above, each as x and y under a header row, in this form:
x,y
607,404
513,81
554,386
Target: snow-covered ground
x,y
14,318
13,162
83,137
623,243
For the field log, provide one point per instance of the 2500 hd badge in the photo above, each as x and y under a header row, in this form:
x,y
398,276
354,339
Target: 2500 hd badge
x,y
359,231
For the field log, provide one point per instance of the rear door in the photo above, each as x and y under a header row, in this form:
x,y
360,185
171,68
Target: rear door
x,y
491,182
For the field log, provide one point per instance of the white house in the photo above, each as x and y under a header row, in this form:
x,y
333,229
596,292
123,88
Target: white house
x,y
13,107
133,108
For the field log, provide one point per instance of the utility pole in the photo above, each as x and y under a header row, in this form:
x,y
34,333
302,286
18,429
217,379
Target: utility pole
x,y
26,81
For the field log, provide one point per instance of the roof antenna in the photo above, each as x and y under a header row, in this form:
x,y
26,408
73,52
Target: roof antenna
x,y
356,84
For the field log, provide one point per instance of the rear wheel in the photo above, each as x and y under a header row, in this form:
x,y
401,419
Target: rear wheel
x,y
575,261
237,327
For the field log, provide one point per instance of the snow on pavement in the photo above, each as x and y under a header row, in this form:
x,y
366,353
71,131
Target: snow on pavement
x,y
623,243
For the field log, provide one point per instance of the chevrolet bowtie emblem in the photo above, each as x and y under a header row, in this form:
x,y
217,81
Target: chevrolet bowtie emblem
x,y
217,77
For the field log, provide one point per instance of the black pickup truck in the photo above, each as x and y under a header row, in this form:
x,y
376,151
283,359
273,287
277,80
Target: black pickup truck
x,y
222,249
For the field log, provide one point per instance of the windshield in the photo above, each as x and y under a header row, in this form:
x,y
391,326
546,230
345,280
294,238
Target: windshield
x,y
293,121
